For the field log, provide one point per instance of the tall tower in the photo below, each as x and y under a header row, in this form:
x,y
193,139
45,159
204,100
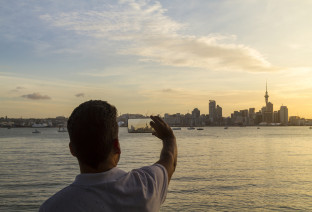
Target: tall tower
x,y
212,110
284,115
266,96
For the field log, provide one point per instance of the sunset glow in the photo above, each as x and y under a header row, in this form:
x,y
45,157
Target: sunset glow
x,y
155,57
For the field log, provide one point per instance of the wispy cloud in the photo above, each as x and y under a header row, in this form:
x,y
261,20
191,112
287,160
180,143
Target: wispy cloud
x,y
148,32
168,90
36,96
80,95
17,89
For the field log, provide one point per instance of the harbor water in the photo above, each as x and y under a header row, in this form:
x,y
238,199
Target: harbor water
x,y
234,169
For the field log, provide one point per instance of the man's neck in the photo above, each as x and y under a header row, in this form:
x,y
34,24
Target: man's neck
x,y
87,169
103,167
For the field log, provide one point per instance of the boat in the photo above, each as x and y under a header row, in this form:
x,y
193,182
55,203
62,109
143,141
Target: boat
x,y
121,123
311,128
176,128
191,128
62,129
258,128
40,125
200,128
36,131
225,128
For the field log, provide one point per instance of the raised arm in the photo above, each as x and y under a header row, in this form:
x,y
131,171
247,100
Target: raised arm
x,y
169,152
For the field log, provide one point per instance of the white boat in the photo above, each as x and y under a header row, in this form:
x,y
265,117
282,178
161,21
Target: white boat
x,y
36,131
191,128
62,129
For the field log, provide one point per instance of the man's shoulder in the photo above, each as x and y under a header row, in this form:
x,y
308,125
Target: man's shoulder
x,y
59,199
153,170
154,178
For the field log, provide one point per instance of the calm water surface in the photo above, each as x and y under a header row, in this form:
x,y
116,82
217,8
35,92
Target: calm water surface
x,y
238,169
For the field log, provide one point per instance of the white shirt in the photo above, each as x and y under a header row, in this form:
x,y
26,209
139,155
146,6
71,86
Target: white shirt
x,y
143,189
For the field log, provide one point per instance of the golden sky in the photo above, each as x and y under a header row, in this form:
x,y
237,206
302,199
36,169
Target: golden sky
x,y
155,57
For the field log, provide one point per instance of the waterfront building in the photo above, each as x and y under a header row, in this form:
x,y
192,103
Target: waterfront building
x,y
196,113
252,113
295,121
173,120
251,116
244,113
284,115
258,118
219,114
196,121
212,110
268,114
276,116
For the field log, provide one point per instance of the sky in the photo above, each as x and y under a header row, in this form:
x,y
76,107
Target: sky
x,y
154,57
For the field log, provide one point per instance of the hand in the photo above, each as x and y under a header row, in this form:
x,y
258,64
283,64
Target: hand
x,y
162,129
169,152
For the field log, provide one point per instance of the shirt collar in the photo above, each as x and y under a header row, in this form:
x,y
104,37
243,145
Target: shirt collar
x,y
97,178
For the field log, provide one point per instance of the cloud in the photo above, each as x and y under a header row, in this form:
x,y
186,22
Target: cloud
x,y
17,89
167,90
206,53
80,95
35,96
145,30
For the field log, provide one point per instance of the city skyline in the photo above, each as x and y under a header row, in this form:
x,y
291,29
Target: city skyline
x,y
266,116
210,110
154,57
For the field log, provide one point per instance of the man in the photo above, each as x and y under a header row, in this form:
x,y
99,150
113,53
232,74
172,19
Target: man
x,y
101,186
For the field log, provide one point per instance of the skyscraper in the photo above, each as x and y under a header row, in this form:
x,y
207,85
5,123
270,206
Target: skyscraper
x,y
212,110
284,115
219,113
196,113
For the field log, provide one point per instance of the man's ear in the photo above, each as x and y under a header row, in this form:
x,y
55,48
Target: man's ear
x,y
71,148
116,146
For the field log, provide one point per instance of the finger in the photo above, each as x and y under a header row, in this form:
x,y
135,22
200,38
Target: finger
x,y
155,134
155,119
154,126
158,120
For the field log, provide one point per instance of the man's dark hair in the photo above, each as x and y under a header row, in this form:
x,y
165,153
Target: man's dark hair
x,y
92,127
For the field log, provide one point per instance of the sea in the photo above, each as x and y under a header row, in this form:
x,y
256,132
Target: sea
x,y
234,169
